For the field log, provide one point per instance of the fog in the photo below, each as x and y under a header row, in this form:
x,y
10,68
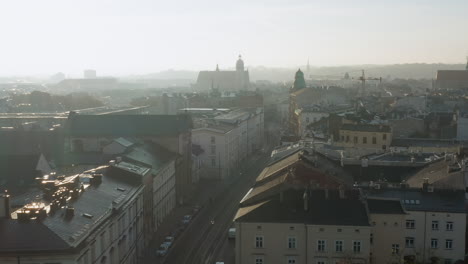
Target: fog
x,y
136,37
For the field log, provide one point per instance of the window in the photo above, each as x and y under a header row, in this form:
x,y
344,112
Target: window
x,y
449,226
347,138
339,246
409,242
259,241
291,260
355,140
213,140
291,242
395,249
357,246
364,140
374,140
434,243
435,225
342,138
371,240
213,150
321,245
307,120
259,260
213,162
384,136
448,243
410,224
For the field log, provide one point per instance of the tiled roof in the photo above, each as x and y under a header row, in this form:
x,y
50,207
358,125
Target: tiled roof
x,y
333,211
127,125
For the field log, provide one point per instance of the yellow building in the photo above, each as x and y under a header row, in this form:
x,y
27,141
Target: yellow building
x,y
365,136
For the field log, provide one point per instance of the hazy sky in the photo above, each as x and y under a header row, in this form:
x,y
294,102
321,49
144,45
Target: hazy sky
x,y
142,36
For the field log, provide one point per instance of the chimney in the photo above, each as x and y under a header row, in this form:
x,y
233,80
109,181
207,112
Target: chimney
x,y
425,184
5,206
305,197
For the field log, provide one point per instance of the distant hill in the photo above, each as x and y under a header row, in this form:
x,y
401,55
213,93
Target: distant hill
x,y
403,71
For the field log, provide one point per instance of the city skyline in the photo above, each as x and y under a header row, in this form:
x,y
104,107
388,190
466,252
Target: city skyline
x,y
124,37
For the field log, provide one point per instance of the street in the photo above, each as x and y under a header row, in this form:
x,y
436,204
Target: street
x,y
205,240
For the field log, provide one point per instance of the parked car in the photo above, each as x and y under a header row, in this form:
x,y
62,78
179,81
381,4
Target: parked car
x,y
169,239
196,209
186,219
162,250
168,243
232,233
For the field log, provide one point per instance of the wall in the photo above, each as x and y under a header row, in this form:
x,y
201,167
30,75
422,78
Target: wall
x,y
423,234
380,142
276,235
387,229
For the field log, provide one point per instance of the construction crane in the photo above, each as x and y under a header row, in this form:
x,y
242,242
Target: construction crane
x,y
363,80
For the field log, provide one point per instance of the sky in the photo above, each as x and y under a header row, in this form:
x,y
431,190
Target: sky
x,y
121,37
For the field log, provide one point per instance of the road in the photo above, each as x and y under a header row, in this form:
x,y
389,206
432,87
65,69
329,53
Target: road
x,y
203,242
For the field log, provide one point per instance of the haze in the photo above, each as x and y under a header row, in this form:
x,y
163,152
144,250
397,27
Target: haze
x,y
129,37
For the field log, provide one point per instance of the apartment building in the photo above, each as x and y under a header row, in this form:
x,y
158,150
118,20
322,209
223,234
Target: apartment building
x,y
435,223
86,218
304,226
226,140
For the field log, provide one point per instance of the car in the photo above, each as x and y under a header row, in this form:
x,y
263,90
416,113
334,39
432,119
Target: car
x,y
168,243
162,250
186,219
169,239
232,233
196,209
219,262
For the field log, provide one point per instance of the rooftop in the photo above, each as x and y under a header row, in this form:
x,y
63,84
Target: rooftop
x,y
415,199
127,125
366,128
57,230
321,211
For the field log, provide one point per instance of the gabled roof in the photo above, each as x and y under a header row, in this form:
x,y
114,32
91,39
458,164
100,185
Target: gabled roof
x,y
439,174
333,211
127,125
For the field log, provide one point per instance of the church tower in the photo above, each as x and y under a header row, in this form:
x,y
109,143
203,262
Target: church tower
x,y
299,81
240,64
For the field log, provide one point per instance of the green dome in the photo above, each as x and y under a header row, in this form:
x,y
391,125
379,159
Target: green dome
x,y
299,81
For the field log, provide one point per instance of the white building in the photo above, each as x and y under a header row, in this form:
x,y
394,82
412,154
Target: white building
x,y
435,223
228,139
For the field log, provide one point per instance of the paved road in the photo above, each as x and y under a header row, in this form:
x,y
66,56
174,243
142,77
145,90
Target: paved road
x,y
203,242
